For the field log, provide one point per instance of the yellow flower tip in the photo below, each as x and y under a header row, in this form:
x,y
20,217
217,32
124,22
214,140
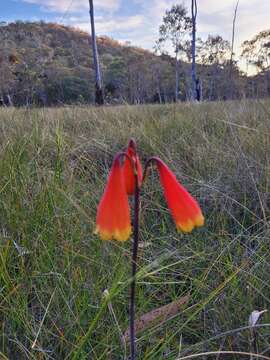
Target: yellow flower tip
x,y
189,225
122,235
104,235
119,235
186,227
199,221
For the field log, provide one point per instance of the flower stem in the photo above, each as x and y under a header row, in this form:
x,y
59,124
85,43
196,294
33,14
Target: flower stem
x,y
134,267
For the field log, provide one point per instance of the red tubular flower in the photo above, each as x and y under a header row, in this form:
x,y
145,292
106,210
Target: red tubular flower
x,y
113,214
129,170
184,208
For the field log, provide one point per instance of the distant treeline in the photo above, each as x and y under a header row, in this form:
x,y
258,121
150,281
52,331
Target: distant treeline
x,y
47,64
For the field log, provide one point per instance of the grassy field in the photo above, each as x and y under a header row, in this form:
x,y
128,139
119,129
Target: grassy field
x,y
53,270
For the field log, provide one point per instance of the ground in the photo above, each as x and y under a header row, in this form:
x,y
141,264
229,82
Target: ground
x,y
54,270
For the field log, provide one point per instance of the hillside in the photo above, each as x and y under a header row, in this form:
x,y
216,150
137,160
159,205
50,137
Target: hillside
x,y
51,64
44,62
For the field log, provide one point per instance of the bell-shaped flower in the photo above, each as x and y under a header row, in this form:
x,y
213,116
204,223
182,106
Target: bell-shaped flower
x,y
183,207
132,163
113,214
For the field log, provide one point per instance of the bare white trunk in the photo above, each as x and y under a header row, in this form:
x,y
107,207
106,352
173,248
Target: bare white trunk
x,y
10,103
99,93
232,49
176,78
195,82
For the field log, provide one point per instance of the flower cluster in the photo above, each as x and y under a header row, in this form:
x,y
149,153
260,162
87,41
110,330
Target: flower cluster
x,y
113,214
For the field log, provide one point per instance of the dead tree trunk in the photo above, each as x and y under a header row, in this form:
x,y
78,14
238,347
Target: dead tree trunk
x,y
232,51
99,97
195,81
10,103
176,78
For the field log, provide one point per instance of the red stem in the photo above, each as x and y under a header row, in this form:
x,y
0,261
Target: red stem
x,y
134,257
134,268
136,229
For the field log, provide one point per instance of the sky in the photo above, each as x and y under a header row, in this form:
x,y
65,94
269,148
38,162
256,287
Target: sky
x,y
137,21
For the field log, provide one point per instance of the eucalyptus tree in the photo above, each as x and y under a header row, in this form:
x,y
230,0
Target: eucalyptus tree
x,y
257,53
214,54
175,28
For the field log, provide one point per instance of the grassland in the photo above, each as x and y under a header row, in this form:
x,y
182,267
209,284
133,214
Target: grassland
x,y
53,270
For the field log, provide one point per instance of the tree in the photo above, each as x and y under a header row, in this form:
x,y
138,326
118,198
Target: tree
x,y
176,25
115,80
257,53
7,79
214,54
195,82
99,97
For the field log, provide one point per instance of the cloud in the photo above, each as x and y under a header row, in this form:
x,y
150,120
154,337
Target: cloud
x,y
110,25
63,6
138,21
214,17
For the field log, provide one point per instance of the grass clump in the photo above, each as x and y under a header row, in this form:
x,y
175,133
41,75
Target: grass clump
x,y
53,270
